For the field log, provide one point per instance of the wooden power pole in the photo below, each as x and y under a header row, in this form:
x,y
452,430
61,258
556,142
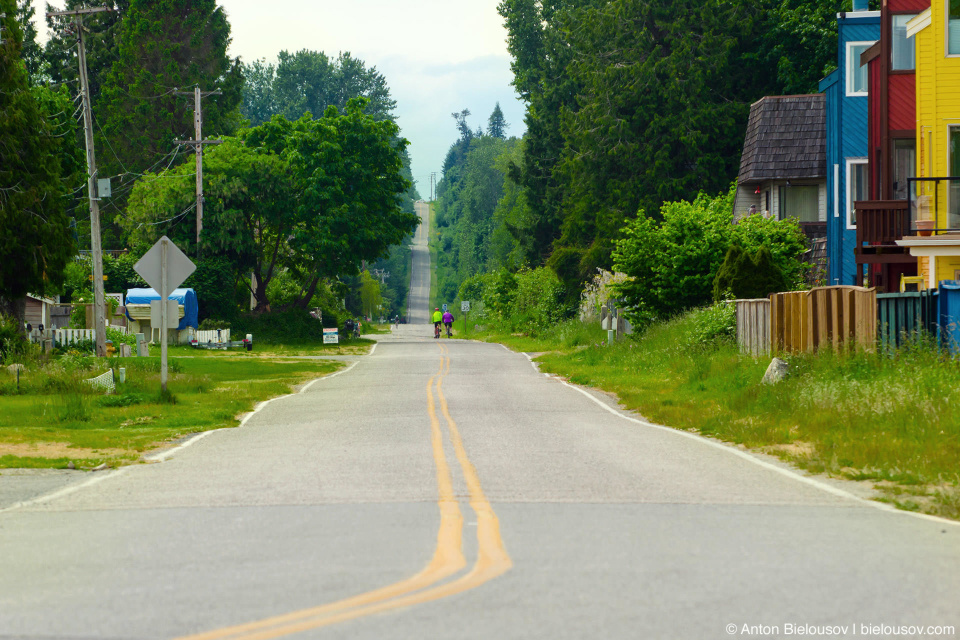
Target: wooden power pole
x,y
197,144
99,313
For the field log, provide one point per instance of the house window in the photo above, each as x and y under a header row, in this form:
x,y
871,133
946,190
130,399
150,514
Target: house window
x,y
953,26
857,73
856,187
801,202
902,51
904,165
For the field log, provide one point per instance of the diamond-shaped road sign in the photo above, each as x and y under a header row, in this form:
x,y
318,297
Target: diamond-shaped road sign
x,y
179,266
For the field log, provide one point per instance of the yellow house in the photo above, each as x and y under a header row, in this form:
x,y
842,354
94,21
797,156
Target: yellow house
x,y
935,193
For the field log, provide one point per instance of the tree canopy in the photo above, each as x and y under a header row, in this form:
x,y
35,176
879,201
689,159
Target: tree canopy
x,y
35,171
312,197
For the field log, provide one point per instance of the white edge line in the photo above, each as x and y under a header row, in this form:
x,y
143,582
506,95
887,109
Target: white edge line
x,y
160,457
789,473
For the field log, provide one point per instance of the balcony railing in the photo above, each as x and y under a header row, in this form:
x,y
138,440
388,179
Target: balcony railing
x,y
882,222
934,204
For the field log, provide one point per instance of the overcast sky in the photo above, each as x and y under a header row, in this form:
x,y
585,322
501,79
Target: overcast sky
x,y
438,56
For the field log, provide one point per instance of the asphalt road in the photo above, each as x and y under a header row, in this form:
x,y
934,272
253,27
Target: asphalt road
x,y
446,489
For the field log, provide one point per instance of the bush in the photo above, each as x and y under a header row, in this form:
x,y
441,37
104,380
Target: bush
x,y
12,341
748,275
714,325
672,263
282,326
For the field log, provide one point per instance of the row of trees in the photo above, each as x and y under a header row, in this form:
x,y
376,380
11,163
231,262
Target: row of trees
x,y
631,104
318,188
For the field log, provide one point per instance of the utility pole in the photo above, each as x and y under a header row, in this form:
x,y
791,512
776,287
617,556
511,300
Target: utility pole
x,y
433,185
2,16
198,143
99,315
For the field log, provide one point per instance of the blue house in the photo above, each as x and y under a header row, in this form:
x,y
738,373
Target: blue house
x,y
847,143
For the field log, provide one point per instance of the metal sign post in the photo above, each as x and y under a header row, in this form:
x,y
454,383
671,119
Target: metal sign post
x,y
164,267
465,308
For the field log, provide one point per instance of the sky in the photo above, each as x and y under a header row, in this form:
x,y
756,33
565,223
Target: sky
x,y
438,57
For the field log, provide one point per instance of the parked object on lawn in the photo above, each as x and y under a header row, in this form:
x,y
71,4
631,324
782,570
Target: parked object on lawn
x,y
138,311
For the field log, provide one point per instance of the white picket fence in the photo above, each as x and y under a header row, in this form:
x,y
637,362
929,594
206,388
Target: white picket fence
x,y
213,335
72,336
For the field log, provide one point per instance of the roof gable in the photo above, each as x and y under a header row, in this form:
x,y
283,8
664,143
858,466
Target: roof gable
x,y
785,139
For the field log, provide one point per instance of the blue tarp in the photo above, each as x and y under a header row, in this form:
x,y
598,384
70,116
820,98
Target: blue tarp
x,y
185,297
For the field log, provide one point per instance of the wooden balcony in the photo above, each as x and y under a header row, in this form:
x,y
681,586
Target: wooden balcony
x,y
880,223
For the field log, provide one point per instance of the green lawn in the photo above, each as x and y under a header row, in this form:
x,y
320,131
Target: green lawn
x,y
56,418
891,421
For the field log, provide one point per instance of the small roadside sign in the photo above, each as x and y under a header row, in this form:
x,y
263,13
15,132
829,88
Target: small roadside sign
x,y
465,306
444,307
164,267
151,265
331,336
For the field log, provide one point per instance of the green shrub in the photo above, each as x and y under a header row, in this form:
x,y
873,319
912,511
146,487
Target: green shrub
x,y
13,343
212,324
672,262
714,325
748,275
283,326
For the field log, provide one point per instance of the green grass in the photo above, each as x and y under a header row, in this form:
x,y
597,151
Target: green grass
x,y
56,418
892,421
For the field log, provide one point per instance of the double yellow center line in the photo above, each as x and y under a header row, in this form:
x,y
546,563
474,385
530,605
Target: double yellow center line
x,y
431,582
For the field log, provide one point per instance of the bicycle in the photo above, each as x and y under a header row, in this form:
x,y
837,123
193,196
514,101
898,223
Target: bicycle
x,y
449,326
436,329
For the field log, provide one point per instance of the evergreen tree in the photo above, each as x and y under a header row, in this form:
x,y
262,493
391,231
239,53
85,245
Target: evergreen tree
x,y
101,39
163,47
310,81
35,242
496,125
30,50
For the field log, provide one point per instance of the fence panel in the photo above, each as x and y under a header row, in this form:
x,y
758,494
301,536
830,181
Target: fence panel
x,y
753,326
835,317
213,335
73,336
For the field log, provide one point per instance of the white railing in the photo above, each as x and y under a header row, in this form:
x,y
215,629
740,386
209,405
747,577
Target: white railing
x,y
213,335
72,336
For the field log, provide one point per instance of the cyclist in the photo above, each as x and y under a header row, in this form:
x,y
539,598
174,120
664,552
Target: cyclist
x,y
437,319
447,321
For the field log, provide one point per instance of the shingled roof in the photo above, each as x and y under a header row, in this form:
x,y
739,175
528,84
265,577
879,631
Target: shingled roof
x,y
786,139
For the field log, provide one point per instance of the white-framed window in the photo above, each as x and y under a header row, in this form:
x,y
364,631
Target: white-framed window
x,y
903,55
953,27
857,73
857,177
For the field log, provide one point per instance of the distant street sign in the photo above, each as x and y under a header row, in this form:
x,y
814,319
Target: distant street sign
x,y
464,306
444,307
179,267
330,336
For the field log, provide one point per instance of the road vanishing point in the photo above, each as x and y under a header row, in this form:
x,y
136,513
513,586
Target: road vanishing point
x,y
447,489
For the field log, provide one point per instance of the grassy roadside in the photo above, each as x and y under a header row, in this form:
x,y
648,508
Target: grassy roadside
x,y
56,418
892,422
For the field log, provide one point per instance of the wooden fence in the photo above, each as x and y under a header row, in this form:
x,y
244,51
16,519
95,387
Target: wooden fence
x,y
753,325
804,321
835,317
